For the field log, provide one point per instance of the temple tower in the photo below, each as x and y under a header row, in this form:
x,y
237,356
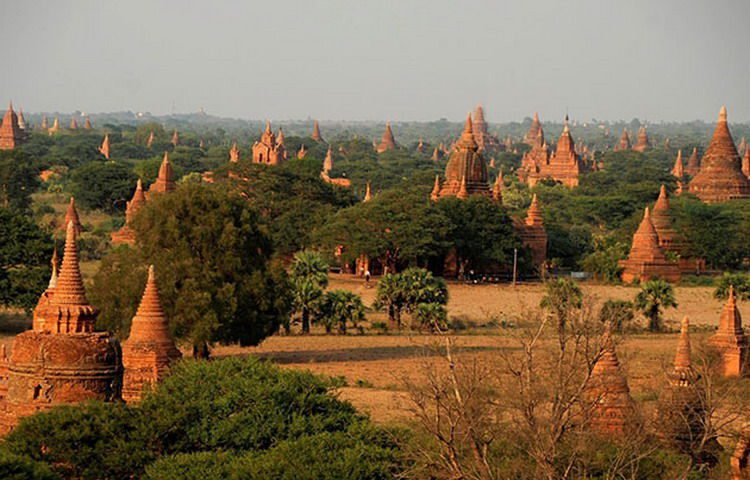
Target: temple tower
x,y
71,215
316,132
328,161
730,340
642,144
55,126
104,149
678,171
126,234
73,124
149,351
11,134
497,188
387,142
624,143
175,138
268,150
720,178
150,141
165,181
533,133
647,260
87,124
62,360
693,164
466,171
302,152
234,153
482,136
533,234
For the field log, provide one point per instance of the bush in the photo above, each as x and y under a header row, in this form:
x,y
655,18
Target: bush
x,y
16,467
740,282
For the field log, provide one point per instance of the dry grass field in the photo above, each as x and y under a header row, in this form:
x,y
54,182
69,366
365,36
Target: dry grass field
x,y
375,366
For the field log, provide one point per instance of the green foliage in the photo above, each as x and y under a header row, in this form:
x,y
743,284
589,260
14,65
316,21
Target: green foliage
x,y
213,268
25,253
618,313
652,298
405,291
18,179
309,276
603,262
431,315
562,297
17,467
340,308
102,185
739,281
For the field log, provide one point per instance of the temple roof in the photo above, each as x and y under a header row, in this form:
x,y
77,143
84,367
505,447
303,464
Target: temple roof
x,y
387,142
534,213
69,290
150,323
678,170
316,132
71,215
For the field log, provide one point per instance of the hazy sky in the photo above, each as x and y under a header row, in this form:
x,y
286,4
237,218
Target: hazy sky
x,y
381,59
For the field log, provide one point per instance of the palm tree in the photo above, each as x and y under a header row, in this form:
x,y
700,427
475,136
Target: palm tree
x,y
432,315
655,295
309,278
340,307
391,295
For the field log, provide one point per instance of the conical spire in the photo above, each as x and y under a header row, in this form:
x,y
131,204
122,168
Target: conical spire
x,y
175,138
662,203
22,121
73,124
150,322
45,124
436,189
55,125
534,213
328,161
87,125
642,143
302,152
467,140
462,191
71,215
533,133
368,194
150,141
69,290
678,170
234,153
682,361
280,137
497,188
316,132
104,149
53,277
165,181
436,155
388,141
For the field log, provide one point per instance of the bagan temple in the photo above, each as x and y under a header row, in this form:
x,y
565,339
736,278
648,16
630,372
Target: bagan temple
x,y
55,126
73,124
466,171
234,153
693,165
62,360
387,142
104,149
612,407
531,136
11,133
302,152
642,144
730,340
484,140
563,166
165,180
720,177
87,124
126,234
532,233
71,216
326,170
624,143
175,138
746,162
149,351
316,132
669,239
678,170
647,260
269,150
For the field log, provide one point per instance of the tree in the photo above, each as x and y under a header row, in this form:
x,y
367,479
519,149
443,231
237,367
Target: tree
x,y
431,315
563,298
739,281
340,307
309,277
25,253
216,277
603,262
391,295
102,185
16,467
653,296
18,180
619,313
407,290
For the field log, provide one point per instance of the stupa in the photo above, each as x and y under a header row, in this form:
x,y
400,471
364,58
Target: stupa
x,y
87,124
612,407
533,133
563,166
104,149
61,360
484,140
693,164
71,215
387,142
720,178
302,152
730,340
73,124
316,132
22,121
234,153
642,144
647,260
533,234
149,351
126,234
175,138
165,180
532,161
669,239
624,143
678,170
150,140
11,134
466,171
268,150
55,126
497,188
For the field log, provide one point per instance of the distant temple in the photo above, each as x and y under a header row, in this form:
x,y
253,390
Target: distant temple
x,y
269,150
564,165
387,142
302,152
104,149
647,260
693,164
730,340
149,351
720,178
11,133
643,143
533,133
71,216
669,239
175,138
532,233
624,143
328,167
73,124
126,234
87,124
234,153
55,126
466,171
484,140
165,180
316,132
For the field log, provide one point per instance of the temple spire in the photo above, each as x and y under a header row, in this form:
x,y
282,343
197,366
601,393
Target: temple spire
x,y
436,189
368,194
104,149
678,170
71,215
682,361
234,153
69,289
497,188
316,132
388,141
53,277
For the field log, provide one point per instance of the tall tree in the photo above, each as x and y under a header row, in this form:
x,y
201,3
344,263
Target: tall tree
x,y
654,296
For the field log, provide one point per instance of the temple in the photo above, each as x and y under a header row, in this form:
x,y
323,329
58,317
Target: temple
x,y
484,140
532,233
150,140
746,163
175,138
612,407
61,360
624,143
642,144
316,132
71,215
87,124
104,149
669,239
326,170
693,164
11,133
165,180
720,178
302,152
149,351
466,171
563,166
387,142
730,340
647,260
269,150
55,126
73,124
234,153
497,188
678,170
126,234
531,136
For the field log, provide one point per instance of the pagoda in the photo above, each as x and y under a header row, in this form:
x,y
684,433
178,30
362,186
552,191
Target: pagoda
x,y
647,260
387,142
61,360
55,126
532,233
466,171
150,140
126,234
484,140
642,144
165,180
746,163
22,121
175,138
720,178
532,161
328,161
678,171
104,149
302,152
563,166
533,133
316,132
669,239
693,164
731,341
149,351
234,153
44,125
437,155
71,215
612,407
11,134
73,124
268,150
87,124
740,148
624,143
497,188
